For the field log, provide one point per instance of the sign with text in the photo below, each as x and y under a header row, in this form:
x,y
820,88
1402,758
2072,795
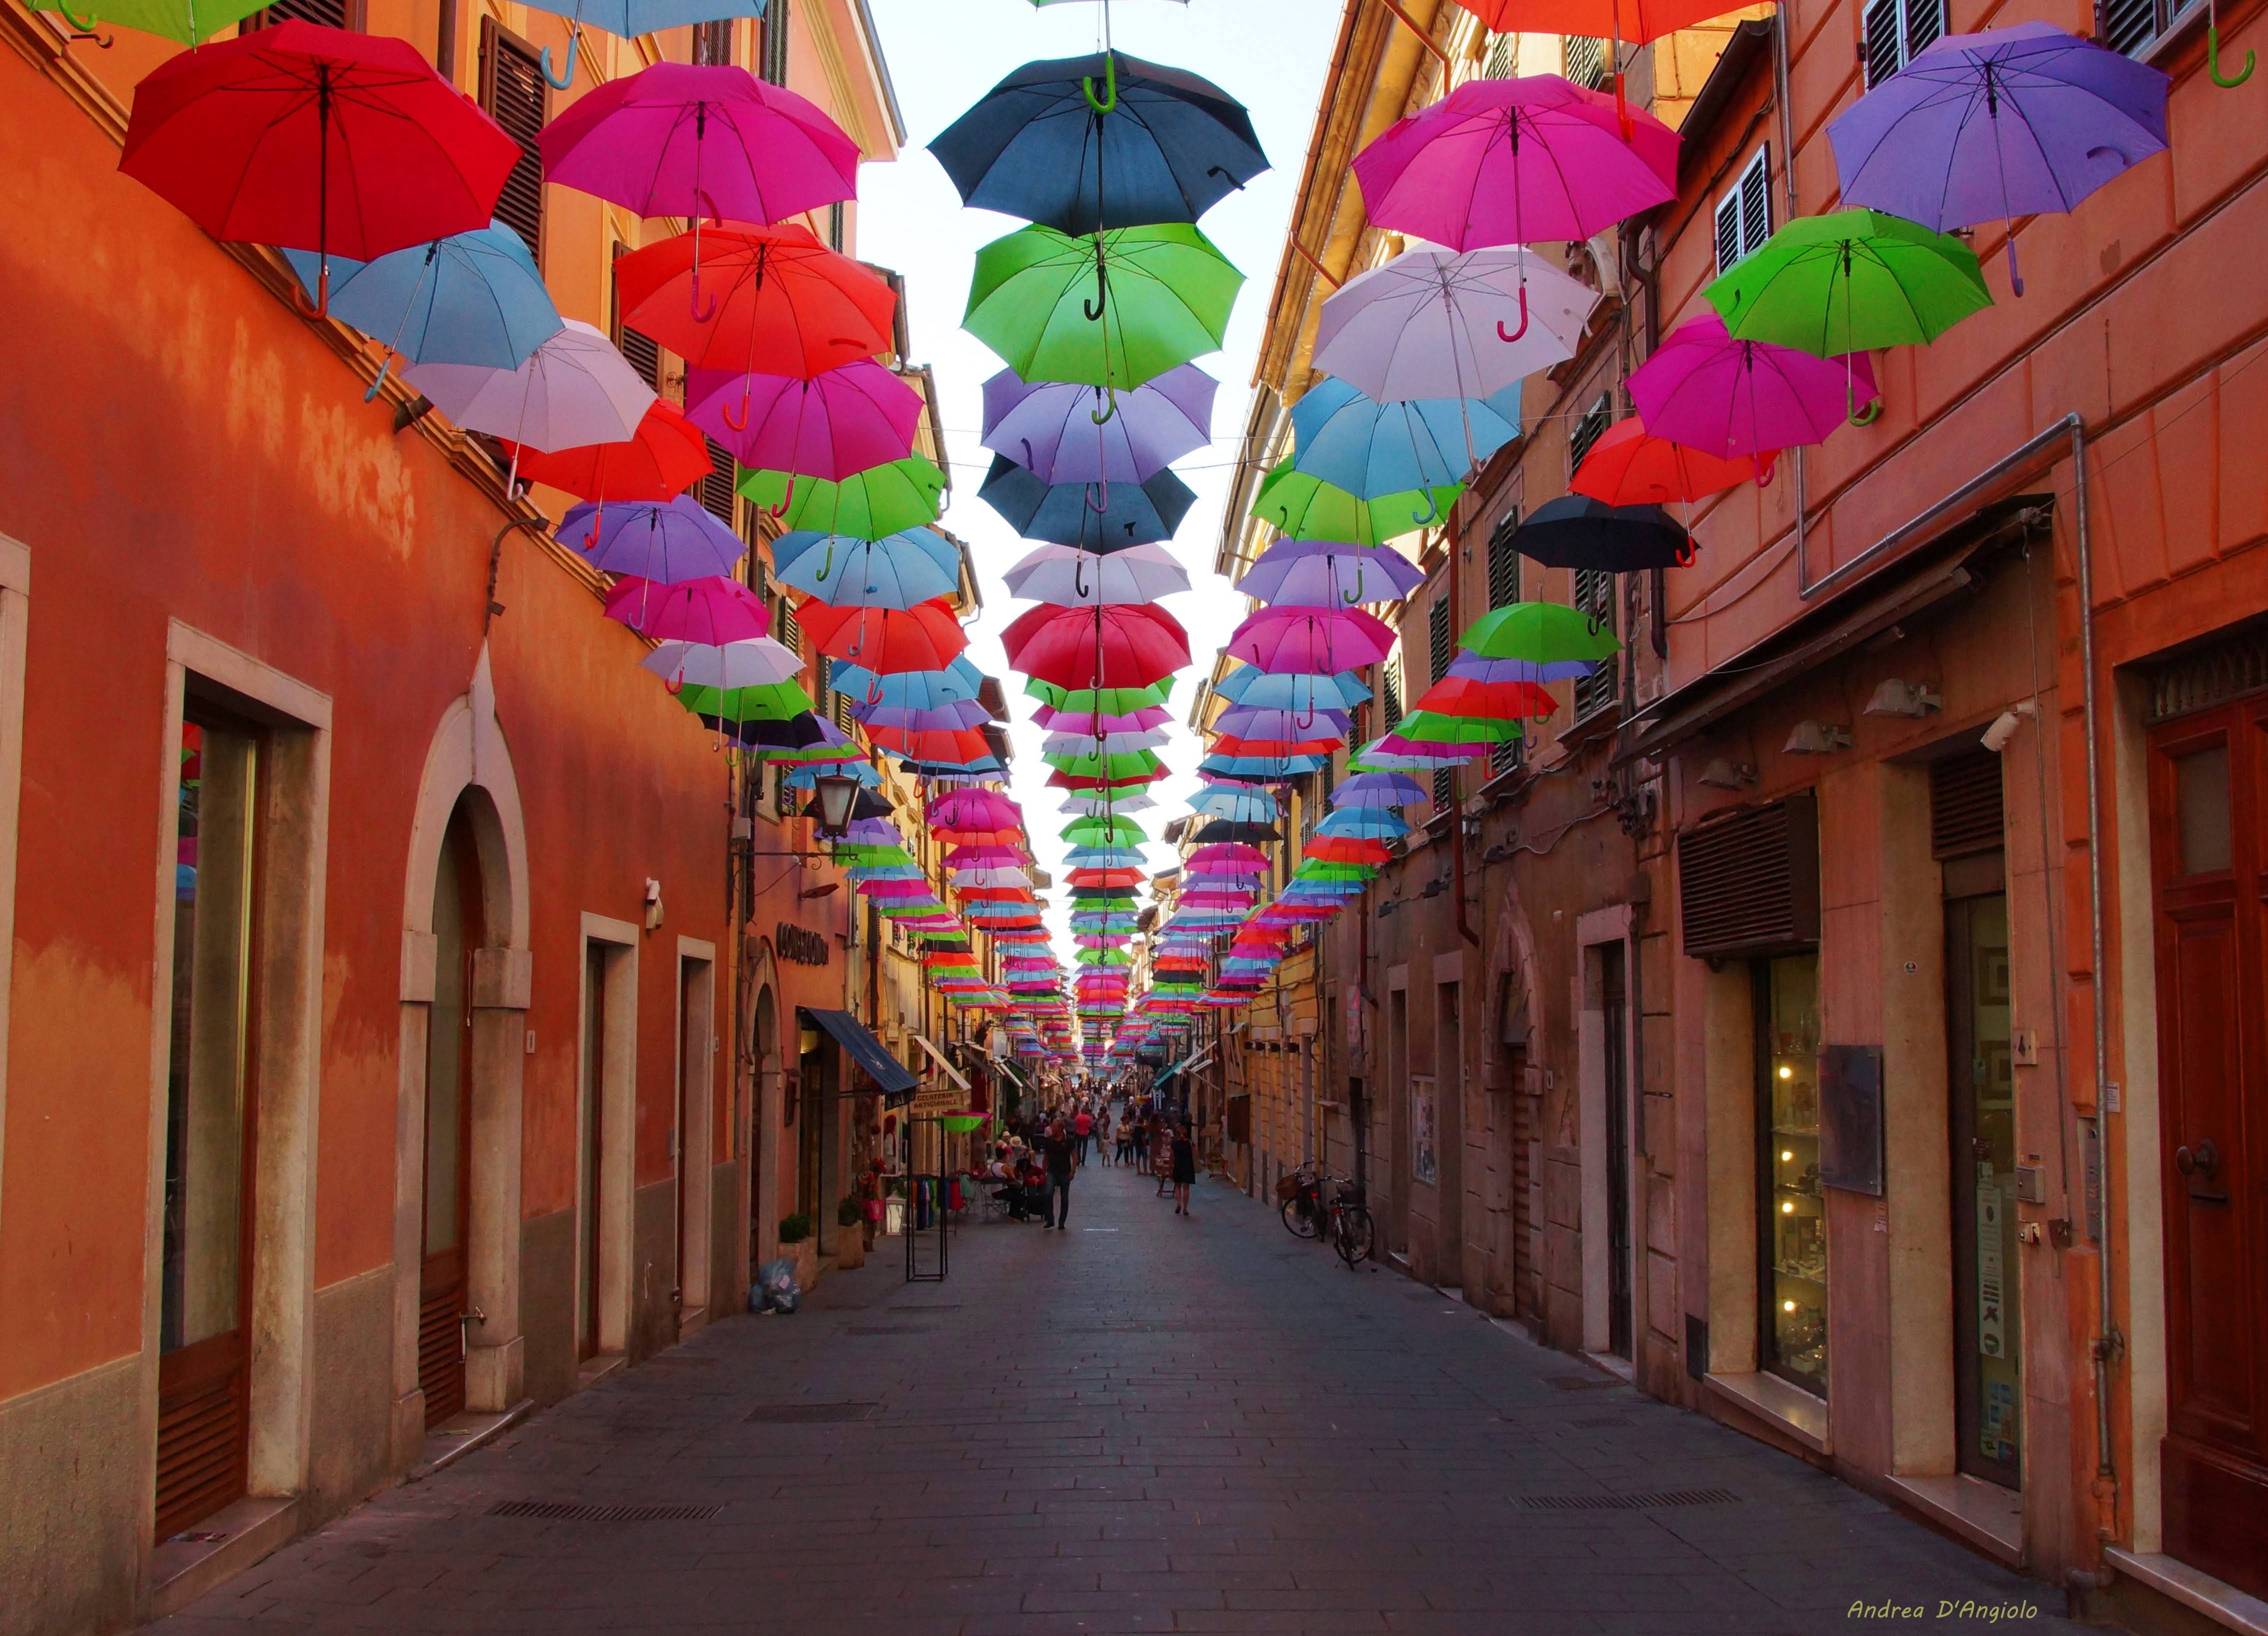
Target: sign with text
x,y
799,946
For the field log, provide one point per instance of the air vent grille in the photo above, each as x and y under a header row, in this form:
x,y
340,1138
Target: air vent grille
x,y
1964,805
1748,884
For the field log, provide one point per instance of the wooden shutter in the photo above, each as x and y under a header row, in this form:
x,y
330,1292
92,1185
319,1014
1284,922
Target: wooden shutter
x,y
1390,705
328,13
1501,58
1438,633
2129,25
712,42
715,491
1587,61
1925,22
1881,46
1504,562
517,98
1728,230
1748,885
1595,595
1754,193
773,66
1589,430
1964,804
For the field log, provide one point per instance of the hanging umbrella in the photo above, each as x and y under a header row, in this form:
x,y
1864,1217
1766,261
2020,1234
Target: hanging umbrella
x,y
665,541
711,612
192,22
1502,672
909,689
1733,398
1135,802
1577,531
1433,726
897,572
1370,823
775,702
1065,434
1515,161
1090,721
924,637
1100,516
1543,631
574,389
313,138
1437,324
930,744
1238,803
1104,832
1636,21
1126,647
1258,747
1244,684
1057,745
1301,506
1377,791
1110,700
830,425
1628,465
1109,140
1112,310
1461,696
663,456
759,298
1322,574
1848,282
1309,641
2021,120
1372,449
1068,576
753,662
788,734
1251,721
884,499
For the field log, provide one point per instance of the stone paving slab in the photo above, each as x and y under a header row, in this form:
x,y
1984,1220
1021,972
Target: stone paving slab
x,y
1177,1424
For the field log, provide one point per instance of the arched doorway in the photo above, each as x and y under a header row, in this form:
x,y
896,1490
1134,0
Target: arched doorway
x,y
762,1145
444,1270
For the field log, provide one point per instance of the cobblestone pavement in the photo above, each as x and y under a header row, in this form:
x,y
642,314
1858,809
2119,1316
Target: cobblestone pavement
x,y
1148,1423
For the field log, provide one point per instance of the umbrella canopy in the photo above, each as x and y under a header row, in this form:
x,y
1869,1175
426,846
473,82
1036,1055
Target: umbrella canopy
x,y
1375,791
1159,295
1110,700
632,17
188,21
1055,746
1051,429
678,139
768,298
1309,641
574,389
1733,398
1104,832
1237,802
711,612
832,425
895,572
773,701
924,637
469,298
1301,506
1109,140
1068,576
1440,324
1244,684
1322,574
910,689
662,458
1372,823
1100,516
1433,727
1501,673
1848,282
1122,647
313,138
930,744
1371,449
1544,632
884,499
2012,121
1515,161
1461,696
1636,21
1577,531
752,662
666,541
1252,721
1628,465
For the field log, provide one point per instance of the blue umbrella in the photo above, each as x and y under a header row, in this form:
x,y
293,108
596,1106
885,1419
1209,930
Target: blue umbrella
x,y
894,572
1378,789
631,19
1241,803
471,299
1372,449
905,718
666,541
1257,721
1362,823
1082,143
1100,516
1273,766
1291,691
908,690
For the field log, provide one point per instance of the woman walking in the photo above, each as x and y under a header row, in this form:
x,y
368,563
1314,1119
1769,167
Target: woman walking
x,y
1185,1167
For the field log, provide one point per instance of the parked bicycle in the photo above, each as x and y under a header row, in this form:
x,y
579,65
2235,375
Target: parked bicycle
x,y
1343,1218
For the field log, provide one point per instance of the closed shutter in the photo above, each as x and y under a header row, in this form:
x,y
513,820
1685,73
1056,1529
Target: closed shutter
x,y
1756,202
2129,25
1587,61
1504,562
201,1448
714,491
1964,805
791,633
1503,57
1897,30
1390,704
1748,885
1439,639
1589,430
772,67
1595,595
328,13
641,351
1728,230
513,91
712,43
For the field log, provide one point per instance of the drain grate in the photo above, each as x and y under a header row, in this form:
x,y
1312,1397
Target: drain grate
x,y
1663,1500
556,1511
810,1413
1581,1383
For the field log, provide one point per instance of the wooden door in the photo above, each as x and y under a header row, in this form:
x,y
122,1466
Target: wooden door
x,y
441,1296
2209,857
589,1250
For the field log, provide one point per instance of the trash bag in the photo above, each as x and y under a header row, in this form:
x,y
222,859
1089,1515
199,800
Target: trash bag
x,y
775,1289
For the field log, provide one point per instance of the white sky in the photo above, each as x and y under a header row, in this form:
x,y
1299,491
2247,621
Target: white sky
x,y
946,53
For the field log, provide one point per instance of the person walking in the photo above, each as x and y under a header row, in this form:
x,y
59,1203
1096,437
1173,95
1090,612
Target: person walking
x,y
1185,1167
1161,1153
1082,1125
1060,1151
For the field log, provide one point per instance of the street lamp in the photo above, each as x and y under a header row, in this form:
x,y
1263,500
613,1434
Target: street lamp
x,y
834,793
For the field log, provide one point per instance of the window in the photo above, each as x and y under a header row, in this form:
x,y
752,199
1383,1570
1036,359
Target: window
x,y
2129,25
835,225
1587,61
1390,693
513,93
329,13
641,351
1791,1212
1744,213
1442,641
1503,57
1595,595
1503,592
715,491
772,67
1898,31
712,42
1589,430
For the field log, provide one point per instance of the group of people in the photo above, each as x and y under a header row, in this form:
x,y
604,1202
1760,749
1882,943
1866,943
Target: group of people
x,y
1034,1158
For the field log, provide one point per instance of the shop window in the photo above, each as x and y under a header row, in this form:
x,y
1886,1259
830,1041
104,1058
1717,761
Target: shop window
x,y
1791,1208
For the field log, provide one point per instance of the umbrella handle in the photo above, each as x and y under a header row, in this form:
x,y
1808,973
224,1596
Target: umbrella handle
x,y
1522,330
699,317
1078,589
2015,279
1087,496
83,29
786,500
2212,59
380,381
1351,599
1108,413
1101,304
1086,86
827,565
564,80
725,415
321,307
1432,512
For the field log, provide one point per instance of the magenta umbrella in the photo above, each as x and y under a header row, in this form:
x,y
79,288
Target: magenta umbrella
x,y
1709,391
1313,641
711,612
845,420
1090,723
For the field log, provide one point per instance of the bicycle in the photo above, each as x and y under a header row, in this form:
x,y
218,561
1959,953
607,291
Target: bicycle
x,y
1349,1225
1302,1193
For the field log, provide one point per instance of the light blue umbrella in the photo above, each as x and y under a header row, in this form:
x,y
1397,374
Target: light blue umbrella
x,y
1245,685
894,572
1236,803
473,298
906,690
632,17
1372,449
1354,823
1260,766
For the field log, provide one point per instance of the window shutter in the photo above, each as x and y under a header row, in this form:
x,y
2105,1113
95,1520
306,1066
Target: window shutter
x,y
1964,805
1437,629
791,633
1589,430
1925,22
1728,230
1500,62
513,91
1595,595
712,43
1748,885
2129,25
1587,61
328,13
715,491
1390,704
1756,202
1883,58
773,68
835,225
1504,562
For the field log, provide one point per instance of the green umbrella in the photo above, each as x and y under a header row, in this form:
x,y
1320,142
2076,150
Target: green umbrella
x,y
1317,870
191,22
1433,727
773,701
1105,957
1101,831
1302,507
1542,633
1851,282
1109,700
1124,765
872,504
1163,291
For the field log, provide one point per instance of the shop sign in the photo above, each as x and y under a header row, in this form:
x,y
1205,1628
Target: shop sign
x,y
799,946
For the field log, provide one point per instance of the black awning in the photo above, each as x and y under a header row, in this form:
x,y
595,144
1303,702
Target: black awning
x,y
894,1078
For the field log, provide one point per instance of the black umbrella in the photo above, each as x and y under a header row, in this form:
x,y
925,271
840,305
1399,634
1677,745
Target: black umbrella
x,y
794,733
868,806
1102,517
1223,829
1577,531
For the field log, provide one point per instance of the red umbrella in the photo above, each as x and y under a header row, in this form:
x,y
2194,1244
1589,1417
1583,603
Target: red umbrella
x,y
777,301
1060,779
932,744
1346,849
313,138
1129,645
1105,877
666,456
1628,465
1230,744
1501,701
887,641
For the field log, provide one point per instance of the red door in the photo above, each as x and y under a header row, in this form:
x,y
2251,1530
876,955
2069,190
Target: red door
x,y
2208,810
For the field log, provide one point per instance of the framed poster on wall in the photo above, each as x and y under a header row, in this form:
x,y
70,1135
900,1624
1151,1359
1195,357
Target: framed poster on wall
x,y
1424,1142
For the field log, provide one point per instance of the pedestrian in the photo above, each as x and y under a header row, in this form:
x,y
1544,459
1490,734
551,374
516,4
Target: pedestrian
x,y
1082,1125
1161,1154
1102,1136
1062,1153
1126,1128
1185,1167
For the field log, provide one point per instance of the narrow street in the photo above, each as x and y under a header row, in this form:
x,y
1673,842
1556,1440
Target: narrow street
x,y
1146,1424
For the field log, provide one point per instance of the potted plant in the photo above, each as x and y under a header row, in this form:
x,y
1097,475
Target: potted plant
x,y
796,1241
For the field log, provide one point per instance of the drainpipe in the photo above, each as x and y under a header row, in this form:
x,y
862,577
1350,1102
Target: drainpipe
x,y
1787,186
1457,805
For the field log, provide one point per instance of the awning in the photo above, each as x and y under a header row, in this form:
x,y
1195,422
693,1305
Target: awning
x,y
1000,1066
866,1051
938,1056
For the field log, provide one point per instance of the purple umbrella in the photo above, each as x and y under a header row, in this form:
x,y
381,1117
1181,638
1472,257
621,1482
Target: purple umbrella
x,y
1309,641
959,714
666,541
1252,721
1474,667
2012,121
1378,789
845,421
1321,574
1088,721
1050,428
1705,390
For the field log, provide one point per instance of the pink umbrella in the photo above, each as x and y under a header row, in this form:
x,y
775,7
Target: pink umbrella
x,y
1228,852
845,421
976,809
1516,161
1088,723
1709,391
1313,641
711,612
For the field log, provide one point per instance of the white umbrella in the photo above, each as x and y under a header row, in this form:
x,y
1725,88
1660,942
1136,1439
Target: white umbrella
x,y
758,662
1112,743
1439,324
1069,577
1097,806
574,390
998,876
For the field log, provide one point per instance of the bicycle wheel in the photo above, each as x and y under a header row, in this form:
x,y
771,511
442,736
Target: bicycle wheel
x,y
1298,1220
1352,1235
